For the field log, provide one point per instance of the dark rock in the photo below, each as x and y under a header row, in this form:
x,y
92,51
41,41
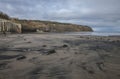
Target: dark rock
x,y
118,75
91,71
100,65
25,39
44,46
117,41
24,50
83,65
65,45
28,50
21,57
29,42
76,53
5,57
36,71
48,52
3,65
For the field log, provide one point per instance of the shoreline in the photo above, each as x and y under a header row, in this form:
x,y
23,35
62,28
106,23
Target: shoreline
x,y
73,33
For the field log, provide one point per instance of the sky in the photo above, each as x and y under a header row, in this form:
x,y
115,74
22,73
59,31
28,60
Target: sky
x,y
101,15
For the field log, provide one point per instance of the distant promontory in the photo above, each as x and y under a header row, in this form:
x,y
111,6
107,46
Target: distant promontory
x,y
45,26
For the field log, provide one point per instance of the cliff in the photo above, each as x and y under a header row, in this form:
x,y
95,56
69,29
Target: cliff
x,y
45,26
8,26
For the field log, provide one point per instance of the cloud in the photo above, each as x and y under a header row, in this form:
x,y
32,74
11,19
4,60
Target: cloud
x,y
95,13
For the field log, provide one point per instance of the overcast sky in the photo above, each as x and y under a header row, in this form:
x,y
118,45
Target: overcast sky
x,y
101,15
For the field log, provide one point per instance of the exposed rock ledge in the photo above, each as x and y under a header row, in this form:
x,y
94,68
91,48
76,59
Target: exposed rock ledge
x,y
8,26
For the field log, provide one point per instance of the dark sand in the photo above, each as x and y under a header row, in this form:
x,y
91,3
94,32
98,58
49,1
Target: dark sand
x,y
59,56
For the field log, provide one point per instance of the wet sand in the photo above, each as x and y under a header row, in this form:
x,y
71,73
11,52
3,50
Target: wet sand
x,y
59,56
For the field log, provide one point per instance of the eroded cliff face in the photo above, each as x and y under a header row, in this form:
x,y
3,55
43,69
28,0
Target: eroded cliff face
x,y
8,26
18,26
47,26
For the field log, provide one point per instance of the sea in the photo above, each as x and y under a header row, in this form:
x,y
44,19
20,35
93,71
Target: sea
x,y
94,33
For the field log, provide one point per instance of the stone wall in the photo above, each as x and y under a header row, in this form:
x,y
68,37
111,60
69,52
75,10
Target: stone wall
x,y
8,26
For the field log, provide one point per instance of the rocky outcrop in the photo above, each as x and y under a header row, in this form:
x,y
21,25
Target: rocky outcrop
x,y
47,26
8,26
16,25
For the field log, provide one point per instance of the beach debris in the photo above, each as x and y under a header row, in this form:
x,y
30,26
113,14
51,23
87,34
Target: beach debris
x,y
21,57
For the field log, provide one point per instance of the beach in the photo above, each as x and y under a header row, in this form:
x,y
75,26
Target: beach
x,y
59,56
